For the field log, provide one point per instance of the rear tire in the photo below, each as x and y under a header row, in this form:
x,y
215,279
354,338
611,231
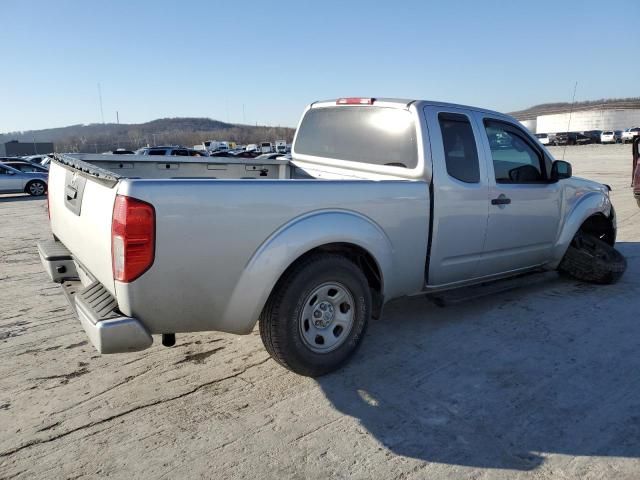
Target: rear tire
x,y
288,321
592,260
36,188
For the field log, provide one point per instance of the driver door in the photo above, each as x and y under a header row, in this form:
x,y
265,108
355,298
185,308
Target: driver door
x,y
10,180
524,206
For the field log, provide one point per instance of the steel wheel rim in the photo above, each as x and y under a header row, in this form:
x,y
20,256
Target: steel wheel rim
x,y
36,188
327,317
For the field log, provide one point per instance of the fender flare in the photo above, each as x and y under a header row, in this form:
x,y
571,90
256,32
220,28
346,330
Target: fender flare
x,y
288,244
591,204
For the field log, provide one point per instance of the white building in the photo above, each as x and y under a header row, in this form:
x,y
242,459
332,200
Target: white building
x,y
588,120
597,115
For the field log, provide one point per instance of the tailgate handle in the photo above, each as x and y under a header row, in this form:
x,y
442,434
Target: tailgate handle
x,y
71,192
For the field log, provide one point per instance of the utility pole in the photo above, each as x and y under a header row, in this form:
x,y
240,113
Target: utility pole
x,y
100,98
117,118
244,122
573,102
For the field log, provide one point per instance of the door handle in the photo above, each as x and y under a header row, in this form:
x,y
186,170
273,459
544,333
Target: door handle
x,y
501,200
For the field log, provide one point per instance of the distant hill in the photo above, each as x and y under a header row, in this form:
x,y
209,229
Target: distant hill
x,y
99,137
564,107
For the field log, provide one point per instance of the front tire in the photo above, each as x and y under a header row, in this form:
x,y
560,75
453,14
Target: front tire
x,y
592,260
36,188
317,315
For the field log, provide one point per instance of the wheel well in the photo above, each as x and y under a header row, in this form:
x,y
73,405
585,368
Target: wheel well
x,y
363,259
26,187
599,226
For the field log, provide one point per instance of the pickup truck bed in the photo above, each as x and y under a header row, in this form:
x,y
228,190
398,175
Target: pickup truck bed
x,y
227,286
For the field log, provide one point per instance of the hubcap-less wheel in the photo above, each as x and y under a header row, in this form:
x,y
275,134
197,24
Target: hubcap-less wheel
x,y
327,317
36,189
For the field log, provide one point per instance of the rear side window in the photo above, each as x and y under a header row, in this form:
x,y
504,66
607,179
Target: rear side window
x,y
179,153
460,152
157,152
374,135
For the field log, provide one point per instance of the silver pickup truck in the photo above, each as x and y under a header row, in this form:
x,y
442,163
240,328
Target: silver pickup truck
x,y
381,198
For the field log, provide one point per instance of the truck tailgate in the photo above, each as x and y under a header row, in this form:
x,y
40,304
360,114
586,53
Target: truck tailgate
x,y
81,208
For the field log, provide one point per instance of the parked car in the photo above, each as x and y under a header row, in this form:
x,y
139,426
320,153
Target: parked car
x,y
172,151
280,146
13,180
610,136
629,133
266,147
26,167
383,199
593,135
544,138
39,159
571,138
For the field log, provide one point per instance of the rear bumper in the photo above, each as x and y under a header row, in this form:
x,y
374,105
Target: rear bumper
x,y
109,330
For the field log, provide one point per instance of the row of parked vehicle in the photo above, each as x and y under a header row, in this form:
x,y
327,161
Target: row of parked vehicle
x,y
589,136
30,174
180,151
24,174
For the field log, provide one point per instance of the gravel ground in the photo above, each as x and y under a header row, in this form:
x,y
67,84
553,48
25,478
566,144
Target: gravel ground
x,y
539,381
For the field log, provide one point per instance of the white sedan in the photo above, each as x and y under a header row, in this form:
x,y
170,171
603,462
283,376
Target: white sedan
x,y
609,136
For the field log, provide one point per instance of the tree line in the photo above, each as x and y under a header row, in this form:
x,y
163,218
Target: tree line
x,y
169,131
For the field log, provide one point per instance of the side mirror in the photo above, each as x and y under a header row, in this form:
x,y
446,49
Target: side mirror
x,y
10,172
560,169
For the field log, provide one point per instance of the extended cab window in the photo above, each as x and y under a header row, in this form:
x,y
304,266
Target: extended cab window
x,y
370,134
460,152
515,160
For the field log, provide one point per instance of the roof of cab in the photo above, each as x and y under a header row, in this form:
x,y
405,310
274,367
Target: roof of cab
x,y
405,103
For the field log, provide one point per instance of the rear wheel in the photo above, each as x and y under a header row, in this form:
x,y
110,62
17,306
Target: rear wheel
x,y
36,188
592,260
317,315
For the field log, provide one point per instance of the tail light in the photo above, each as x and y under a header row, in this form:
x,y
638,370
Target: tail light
x,y
133,231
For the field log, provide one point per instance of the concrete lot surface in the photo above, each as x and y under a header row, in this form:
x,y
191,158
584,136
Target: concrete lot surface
x,y
541,381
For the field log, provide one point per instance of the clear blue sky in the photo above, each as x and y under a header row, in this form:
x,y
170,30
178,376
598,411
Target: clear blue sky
x,y
207,58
